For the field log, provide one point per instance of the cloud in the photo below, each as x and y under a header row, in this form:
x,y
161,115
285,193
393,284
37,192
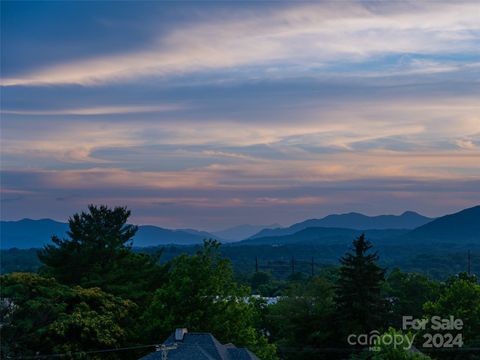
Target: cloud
x,y
385,125
467,144
206,207
90,111
307,36
282,111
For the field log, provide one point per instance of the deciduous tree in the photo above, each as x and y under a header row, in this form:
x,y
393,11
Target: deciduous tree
x,y
200,294
41,316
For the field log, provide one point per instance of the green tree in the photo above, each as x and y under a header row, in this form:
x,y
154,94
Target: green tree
x,y
407,292
200,294
41,316
461,298
259,279
385,349
360,305
300,321
262,283
98,254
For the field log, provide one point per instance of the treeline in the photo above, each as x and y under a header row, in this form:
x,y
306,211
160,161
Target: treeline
x,y
438,263
92,292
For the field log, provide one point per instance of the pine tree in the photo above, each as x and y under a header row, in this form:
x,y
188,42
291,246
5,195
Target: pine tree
x,y
97,253
360,307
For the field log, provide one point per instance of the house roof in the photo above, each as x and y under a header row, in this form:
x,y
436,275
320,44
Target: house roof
x,y
200,346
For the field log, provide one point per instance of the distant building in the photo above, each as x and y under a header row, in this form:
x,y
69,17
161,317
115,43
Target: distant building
x,y
183,345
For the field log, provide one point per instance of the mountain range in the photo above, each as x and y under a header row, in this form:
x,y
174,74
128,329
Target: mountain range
x,y
461,228
241,232
324,236
356,221
27,233
409,228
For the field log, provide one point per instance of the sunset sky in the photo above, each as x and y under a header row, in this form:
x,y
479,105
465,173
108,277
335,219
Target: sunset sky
x,y
212,114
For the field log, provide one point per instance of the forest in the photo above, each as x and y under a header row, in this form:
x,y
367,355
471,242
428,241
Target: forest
x,y
93,296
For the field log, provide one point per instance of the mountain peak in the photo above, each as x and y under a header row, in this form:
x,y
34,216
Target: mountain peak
x,y
356,221
410,213
243,231
464,224
29,233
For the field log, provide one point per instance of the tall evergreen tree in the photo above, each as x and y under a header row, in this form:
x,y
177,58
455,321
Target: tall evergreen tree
x,y
360,306
98,254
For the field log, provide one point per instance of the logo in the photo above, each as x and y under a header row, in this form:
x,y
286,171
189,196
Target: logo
x,y
437,332
374,340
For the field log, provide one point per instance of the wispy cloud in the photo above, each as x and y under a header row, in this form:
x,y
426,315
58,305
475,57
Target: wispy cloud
x,y
89,111
385,125
219,117
194,198
309,36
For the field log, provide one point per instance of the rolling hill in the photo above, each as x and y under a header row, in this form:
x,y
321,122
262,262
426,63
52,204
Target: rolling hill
x,y
27,233
463,226
356,221
323,236
438,248
241,232
459,230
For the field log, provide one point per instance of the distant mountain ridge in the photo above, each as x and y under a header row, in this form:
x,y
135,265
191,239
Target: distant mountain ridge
x,y
243,231
355,221
28,233
324,236
459,229
463,225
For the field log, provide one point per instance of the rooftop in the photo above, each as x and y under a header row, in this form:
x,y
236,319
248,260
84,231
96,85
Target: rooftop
x,y
183,345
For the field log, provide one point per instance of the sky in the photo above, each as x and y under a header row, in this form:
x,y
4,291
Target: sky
x,y
213,114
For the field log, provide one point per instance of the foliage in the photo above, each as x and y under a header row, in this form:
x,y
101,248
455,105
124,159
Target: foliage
x,y
407,292
259,279
300,320
360,306
19,260
200,294
195,288
461,298
41,316
387,350
98,254
263,283
435,262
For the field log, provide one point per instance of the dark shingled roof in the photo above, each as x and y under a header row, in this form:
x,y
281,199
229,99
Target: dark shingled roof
x,y
201,346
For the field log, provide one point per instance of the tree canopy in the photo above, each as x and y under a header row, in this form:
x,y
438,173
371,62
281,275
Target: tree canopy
x,y
200,294
94,291
98,254
407,292
41,316
360,305
300,321
460,297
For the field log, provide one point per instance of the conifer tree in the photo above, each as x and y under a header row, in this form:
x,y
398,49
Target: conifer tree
x,y
97,253
360,306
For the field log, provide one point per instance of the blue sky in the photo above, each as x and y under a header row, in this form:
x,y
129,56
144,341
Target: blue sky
x,y
211,114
